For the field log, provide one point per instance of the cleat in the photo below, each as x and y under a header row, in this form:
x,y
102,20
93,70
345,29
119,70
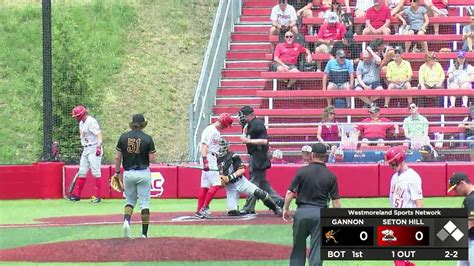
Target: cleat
x,y
73,198
246,212
95,200
278,211
233,213
204,213
126,229
144,236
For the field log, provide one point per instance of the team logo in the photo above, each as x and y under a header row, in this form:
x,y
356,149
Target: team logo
x,y
157,181
330,236
388,235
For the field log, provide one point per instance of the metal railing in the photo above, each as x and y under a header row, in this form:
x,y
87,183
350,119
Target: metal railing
x,y
200,110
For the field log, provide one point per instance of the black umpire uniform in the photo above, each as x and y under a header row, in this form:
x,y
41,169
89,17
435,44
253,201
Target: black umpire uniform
x,y
259,161
314,185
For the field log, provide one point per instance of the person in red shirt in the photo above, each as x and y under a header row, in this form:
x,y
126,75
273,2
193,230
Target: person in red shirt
x,y
286,56
330,32
375,132
436,8
377,19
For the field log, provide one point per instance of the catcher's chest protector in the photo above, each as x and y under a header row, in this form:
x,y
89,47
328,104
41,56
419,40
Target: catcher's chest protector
x,y
225,164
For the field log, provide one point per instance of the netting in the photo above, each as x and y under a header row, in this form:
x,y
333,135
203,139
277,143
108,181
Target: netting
x,y
435,66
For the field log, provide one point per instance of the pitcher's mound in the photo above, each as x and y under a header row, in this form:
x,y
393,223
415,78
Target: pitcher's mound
x,y
151,249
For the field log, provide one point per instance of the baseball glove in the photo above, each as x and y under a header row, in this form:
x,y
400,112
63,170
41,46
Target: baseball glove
x,y
115,183
224,180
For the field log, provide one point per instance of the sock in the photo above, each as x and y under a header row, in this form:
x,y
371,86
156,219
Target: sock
x,y
127,210
145,221
210,195
79,186
202,197
98,185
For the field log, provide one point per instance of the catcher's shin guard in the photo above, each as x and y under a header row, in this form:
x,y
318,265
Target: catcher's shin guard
x,y
265,198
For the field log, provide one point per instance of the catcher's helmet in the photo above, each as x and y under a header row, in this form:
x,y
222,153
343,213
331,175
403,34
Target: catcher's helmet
x,y
225,119
223,148
79,112
395,155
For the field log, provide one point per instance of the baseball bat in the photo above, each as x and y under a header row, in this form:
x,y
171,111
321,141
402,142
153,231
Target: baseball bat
x,y
73,183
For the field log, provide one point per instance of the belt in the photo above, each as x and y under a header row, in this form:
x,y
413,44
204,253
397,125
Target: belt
x,y
136,169
90,145
312,205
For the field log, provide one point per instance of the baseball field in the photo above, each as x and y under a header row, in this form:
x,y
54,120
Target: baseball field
x,y
60,232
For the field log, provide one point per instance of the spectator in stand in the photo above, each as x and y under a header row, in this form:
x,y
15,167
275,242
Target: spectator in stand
x,y
306,154
437,8
361,7
360,10
417,21
286,56
375,131
415,128
315,8
328,130
329,33
368,74
377,19
384,51
277,157
283,19
431,73
336,8
398,74
460,76
341,75
395,6
469,134
468,36
428,154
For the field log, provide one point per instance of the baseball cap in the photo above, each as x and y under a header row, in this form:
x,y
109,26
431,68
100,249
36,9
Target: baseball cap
x,y
461,54
139,120
398,50
374,109
455,179
340,53
246,110
425,149
306,148
319,148
332,17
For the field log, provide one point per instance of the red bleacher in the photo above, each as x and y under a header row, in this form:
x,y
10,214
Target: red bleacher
x,y
247,81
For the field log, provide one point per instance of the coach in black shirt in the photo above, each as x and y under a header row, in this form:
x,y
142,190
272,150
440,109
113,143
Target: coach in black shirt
x,y
461,184
314,186
256,139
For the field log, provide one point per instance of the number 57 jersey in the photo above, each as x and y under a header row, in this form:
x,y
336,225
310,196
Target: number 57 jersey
x,y
405,189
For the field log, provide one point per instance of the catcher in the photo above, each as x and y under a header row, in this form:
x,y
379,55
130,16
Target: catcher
x,y
136,149
232,172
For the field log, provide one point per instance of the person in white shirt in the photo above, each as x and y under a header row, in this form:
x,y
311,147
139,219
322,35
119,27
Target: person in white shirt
x,y
460,76
210,179
91,158
283,18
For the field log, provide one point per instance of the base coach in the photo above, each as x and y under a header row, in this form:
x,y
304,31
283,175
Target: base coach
x,y
314,186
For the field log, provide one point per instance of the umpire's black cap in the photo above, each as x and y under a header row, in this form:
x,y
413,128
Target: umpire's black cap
x,y
319,149
455,179
246,110
138,120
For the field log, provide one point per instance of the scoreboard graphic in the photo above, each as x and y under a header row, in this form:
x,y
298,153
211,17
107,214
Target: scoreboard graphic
x,y
394,234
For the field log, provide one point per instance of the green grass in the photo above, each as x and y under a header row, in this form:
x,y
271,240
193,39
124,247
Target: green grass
x,y
143,56
25,211
102,32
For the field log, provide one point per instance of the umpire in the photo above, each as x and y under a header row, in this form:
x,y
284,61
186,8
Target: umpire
x,y
256,139
314,185
462,185
136,149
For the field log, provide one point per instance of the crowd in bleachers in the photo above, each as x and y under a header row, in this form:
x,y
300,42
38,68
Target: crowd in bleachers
x,y
375,65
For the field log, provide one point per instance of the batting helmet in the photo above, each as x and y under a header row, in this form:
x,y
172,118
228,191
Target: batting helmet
x,y
225,119
79,112
223,148
395,155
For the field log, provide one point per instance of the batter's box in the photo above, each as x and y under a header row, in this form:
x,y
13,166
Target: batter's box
x,y
214,218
